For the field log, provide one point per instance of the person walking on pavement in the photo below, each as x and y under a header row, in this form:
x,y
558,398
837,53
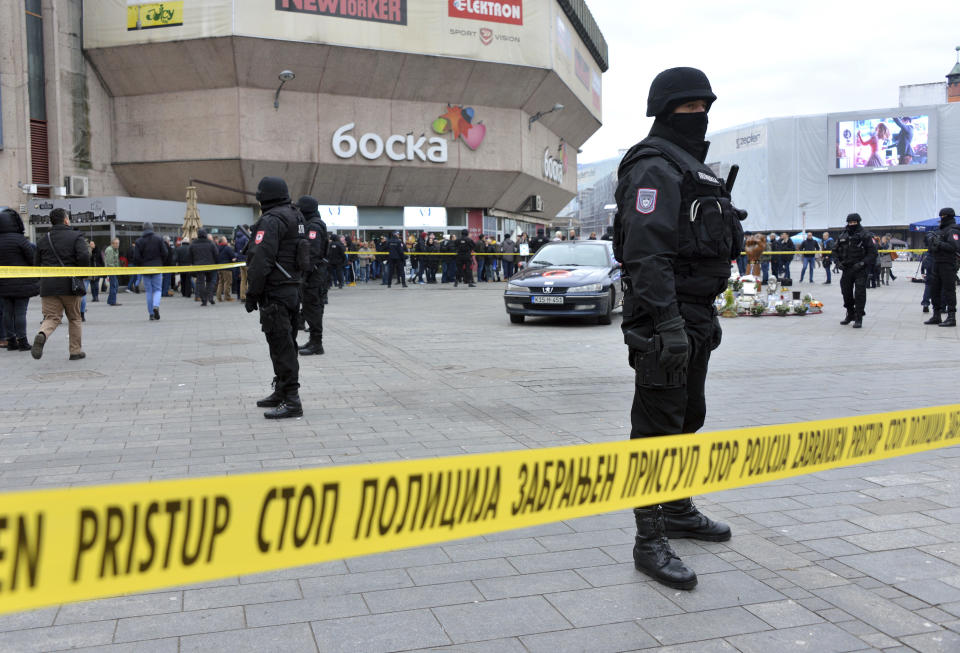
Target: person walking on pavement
x,y
151,251
809,247
315,280
855,252
61,247
944,247
274,288
672,276
509,249
225,254
182,258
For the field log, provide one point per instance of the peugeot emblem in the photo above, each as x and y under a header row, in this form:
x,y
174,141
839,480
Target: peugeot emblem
x,y
548,289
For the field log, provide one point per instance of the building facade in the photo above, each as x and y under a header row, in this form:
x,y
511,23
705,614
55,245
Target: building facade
x,y
471,106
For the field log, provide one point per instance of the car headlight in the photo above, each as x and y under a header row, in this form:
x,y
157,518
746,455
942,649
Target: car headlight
x,y
590,287
513,287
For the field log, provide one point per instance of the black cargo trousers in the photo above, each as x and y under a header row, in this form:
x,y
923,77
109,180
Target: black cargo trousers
x,y
853,287
278,321
314,292
943,287
680,408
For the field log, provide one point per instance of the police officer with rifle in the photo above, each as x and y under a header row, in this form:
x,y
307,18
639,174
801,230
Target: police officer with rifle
x,y
675,233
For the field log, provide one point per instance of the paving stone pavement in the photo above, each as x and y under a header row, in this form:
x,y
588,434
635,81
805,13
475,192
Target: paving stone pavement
x,y
854,559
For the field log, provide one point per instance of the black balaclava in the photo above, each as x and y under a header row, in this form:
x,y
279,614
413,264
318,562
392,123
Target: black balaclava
x,y
308,206
272,191
670,89
464,233
947,217
854,217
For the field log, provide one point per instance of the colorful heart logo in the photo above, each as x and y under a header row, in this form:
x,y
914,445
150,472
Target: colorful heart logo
x,y
441,126
468,114
475,135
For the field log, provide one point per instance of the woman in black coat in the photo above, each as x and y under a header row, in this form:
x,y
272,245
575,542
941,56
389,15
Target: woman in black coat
x,y
15,293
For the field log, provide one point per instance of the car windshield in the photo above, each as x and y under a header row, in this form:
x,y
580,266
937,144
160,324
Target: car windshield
x,y
571,254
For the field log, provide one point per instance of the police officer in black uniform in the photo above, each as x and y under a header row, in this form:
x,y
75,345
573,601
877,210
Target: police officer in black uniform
x,y
675,234
465,246
274,287
854,252
315,280
944,247
538,241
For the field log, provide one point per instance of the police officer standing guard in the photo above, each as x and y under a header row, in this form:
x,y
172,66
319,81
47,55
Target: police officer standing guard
x,y
464,252
854,252
944,247
274,287
315,280
675,234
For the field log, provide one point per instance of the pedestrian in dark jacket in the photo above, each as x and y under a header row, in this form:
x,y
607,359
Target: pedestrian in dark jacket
x,y
61,246
241,237
151,251
204,252
15,293
182,259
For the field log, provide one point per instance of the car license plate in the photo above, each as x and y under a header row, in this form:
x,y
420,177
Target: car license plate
x,y
548,300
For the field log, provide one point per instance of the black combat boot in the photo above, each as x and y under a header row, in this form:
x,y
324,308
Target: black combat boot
x,y
652,553
935,318
275,398
312,347
289,407
858,322
850,318
682,519
951,320
22,344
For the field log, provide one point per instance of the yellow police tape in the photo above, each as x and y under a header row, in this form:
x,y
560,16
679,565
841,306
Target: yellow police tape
x,y
81,543
21,271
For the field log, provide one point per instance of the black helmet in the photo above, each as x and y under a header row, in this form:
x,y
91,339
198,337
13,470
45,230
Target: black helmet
x,y
272,189
947,212
307,205
675,86
854,217
464,233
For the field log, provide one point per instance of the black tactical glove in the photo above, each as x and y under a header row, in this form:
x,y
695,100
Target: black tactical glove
x,y
717,333
250,303
673,356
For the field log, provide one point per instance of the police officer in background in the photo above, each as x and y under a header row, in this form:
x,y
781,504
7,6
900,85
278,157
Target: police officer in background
x,y
672,275
854,252
465,247
538,241
274,288
944,247
314,281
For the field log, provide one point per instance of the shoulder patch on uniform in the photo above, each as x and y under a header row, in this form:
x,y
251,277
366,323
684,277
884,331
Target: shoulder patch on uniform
x,y
707,178
313,235
646,200
956,237
259,237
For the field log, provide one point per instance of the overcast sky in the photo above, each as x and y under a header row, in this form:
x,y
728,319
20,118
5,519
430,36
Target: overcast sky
x,y
769,58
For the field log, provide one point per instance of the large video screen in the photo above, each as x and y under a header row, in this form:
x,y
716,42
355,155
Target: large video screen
x,y
902,141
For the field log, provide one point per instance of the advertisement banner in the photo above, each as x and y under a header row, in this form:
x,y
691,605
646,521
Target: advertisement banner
x,y
108,23
574,64
149,15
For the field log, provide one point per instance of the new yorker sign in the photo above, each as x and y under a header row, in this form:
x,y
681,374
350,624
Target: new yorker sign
x,y
380,11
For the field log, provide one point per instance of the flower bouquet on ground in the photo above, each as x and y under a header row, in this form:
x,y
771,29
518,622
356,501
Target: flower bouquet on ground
x,y
801,309
783,310
729,308
758,308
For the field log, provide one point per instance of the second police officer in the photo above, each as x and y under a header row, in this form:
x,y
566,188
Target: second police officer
x,y
274,288
854,252
944,248
315,279
675,233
